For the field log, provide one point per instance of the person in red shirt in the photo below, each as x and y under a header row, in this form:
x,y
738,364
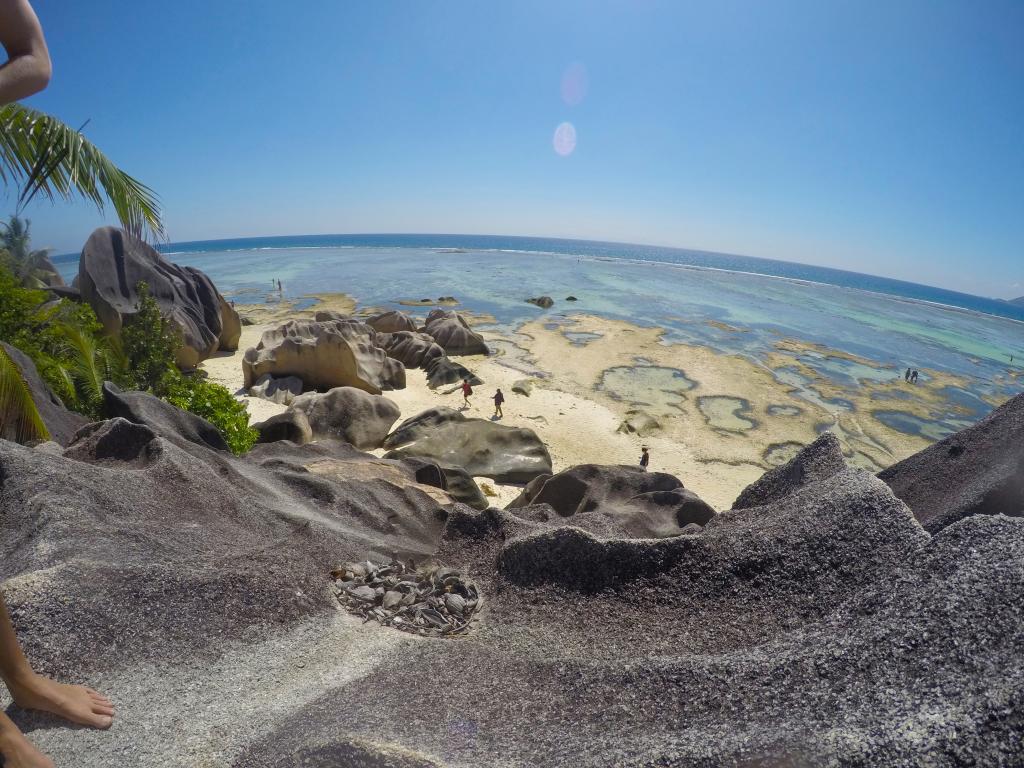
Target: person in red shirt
x,y
467,390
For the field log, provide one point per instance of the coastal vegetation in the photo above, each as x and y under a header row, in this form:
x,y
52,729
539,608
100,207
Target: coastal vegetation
x,y
74,356
46,158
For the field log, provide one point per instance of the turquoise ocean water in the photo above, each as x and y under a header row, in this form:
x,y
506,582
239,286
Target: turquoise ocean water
x,y
894,324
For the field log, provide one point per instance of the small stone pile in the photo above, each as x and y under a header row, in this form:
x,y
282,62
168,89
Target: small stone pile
x,y
434,600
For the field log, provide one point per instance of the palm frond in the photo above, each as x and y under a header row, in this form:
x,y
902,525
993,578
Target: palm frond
x,y
54,160
84,362
19,418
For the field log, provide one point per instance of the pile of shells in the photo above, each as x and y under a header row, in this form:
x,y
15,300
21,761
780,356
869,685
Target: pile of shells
x,y
433,600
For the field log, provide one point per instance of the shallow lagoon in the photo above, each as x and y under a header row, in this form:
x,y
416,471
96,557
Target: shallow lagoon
x,y
732,312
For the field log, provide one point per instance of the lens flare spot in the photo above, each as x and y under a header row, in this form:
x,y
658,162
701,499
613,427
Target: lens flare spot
x,y
574,84
565,139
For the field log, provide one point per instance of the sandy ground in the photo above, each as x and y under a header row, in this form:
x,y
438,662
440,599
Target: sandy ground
x,y
576,429
723,419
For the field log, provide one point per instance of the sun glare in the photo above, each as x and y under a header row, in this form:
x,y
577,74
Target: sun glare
x,y
564,140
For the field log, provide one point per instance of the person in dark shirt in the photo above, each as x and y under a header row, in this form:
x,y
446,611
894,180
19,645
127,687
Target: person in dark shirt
x,y
498,400
645,458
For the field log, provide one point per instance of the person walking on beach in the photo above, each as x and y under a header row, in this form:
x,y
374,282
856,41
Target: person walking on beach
x,y
645,458
906,376
913,377
467,390
27,71
498,400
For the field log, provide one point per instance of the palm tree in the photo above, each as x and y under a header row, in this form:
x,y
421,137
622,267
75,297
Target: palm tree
x,y
44,156
32,267
86,361
47,157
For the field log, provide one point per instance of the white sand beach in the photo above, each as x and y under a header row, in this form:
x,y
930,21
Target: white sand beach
x,y
723,420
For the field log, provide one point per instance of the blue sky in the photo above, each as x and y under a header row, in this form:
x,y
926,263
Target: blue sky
x,y
882,137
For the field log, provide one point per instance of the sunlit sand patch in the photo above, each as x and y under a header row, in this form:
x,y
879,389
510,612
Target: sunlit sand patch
x,y
726,413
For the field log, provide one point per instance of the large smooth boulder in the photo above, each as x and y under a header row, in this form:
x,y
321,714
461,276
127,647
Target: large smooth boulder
x,y
349,414
443,370
164,419
639,422
291,425
615,500
815,462
977,471
544,302
59,421
411,349
523,387
391,322
231,327
328,354
44,272
327,315
112,265
278,390
452,332
481,447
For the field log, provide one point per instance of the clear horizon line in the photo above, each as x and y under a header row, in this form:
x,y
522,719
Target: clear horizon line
x,y
570,240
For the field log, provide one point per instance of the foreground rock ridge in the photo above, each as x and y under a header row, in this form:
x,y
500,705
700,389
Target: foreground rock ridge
x,y
979,470
818,624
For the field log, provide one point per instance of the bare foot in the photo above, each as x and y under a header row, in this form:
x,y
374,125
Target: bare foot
x,y
18,751
72,702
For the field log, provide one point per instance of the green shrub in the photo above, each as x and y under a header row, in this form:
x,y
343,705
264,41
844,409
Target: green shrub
x,y
149,344
66,342
215,403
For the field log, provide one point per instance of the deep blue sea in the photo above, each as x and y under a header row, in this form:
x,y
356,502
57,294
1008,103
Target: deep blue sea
x,y
891,323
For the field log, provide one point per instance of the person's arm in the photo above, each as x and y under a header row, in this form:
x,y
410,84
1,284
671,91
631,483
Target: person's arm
x,y
28,68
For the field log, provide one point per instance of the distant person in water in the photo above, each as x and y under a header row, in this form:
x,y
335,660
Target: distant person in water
x,y
906,376
498,400
279,288
27,71
467,390
913,377
645,458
